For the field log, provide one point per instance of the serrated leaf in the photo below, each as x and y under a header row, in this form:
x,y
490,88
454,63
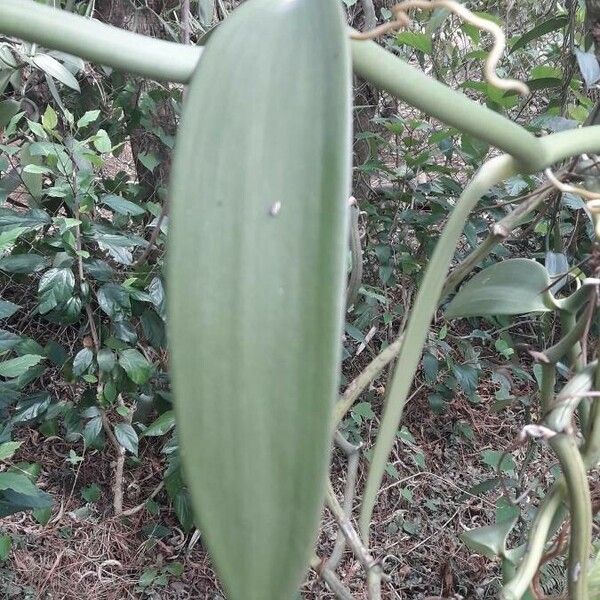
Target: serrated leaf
x,y
489,541
8,238
31,407
92,430
510,287
31,219
127,437
138,369
55,288
17,366
114,301
91,493
256,269
23,263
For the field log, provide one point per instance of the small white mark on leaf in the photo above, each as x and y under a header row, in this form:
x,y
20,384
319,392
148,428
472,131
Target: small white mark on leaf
x,y
576,572
275,208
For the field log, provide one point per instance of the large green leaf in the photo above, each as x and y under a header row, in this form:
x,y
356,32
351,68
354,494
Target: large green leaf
x,y
257,263
489,541
17,366
136,366
511,287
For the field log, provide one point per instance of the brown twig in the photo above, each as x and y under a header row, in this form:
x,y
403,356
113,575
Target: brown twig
x,y
326,574
153,237
118,482
132,511
352,453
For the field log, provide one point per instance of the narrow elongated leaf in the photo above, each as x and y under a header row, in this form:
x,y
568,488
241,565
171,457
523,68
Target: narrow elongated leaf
x,y
511,287
552,24
257,263
50,65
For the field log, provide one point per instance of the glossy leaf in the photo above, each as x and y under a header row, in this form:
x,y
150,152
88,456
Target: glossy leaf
x,y
511,287
82,361
122,206
127,437
162,425
135,365
257,263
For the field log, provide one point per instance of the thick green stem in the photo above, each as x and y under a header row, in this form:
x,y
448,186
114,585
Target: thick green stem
x,y
168,61
547,387
97,42
358,385
568,324
389,73
580,505
356,274
572,330
550,513
415,335
518,585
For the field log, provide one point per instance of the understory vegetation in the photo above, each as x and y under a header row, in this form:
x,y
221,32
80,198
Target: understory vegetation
x,y
92,494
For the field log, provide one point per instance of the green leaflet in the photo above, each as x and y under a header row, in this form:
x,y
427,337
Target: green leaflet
x,y
257,263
